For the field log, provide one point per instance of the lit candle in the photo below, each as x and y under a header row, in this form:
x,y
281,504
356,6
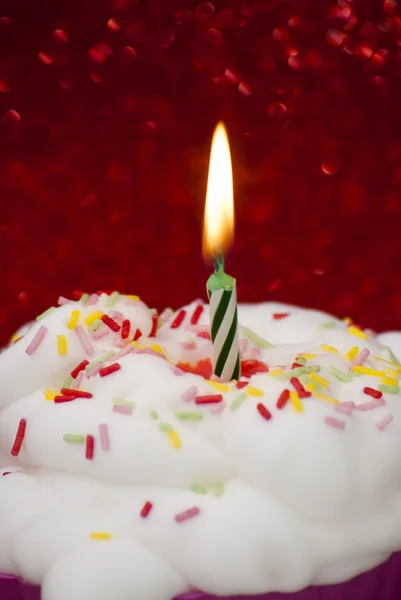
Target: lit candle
x,y
217,236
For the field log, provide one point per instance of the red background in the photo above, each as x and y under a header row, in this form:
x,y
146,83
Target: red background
x,y
106,116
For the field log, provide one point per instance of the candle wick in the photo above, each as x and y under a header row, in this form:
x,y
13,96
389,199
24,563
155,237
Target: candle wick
x,y
218,261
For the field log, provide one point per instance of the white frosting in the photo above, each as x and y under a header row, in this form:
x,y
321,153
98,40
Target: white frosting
x,y
302,502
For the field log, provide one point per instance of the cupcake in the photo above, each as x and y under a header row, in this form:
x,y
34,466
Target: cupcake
x,y
129,471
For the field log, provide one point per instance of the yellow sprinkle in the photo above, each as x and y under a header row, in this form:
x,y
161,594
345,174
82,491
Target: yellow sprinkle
x,y
367,371
253,391
325,398
388,362
295,401
62,345
174,439
276,372
97,314
351,354
357,332
307,356
389,380
14,337
50,394
156,348
391,372
218,386
327,348
135,344
319,379
310,387
100,536
133,297
347,320
74,318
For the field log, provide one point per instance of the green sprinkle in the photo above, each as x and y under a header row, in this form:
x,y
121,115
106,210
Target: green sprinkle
x,y
344,377
44,314
219,489
154,414
393,357
67,382
301,360
189,416
122,402
160,322
112,299
254,337
106,356
238,400
328,325
165,427
355,374
84,299
153,311
297,372
94,326
388,389
198,489
74,438
305,380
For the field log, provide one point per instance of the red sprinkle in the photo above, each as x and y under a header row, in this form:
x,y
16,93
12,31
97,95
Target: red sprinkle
x,y
79,368
210,399
76,294
125,329
110,323
295,365
19,438
76,393
90,447
138,334
109,369
60,399
6,473
283,399
155,319
371,392
300,388
252,366
196,314
278,316
147,507
263,411
179,319
241,384
204,334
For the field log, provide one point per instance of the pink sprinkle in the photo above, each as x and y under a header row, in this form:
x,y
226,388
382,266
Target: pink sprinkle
x,y
122,409
204,335
346,408
126,350
187,514
83,338
188,345
256,352
381,425
100,333
338,423
360,359
189,394
62,301
371,405
104,437
165,315
116,314
37,340
93,298
217,409
178,372
77,381
243,345
94,370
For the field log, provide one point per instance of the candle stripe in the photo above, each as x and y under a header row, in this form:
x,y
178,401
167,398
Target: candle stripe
x,y
226,351
224,334
221,310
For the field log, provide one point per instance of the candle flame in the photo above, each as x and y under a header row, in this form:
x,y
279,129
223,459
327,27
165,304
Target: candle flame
x,y
218,225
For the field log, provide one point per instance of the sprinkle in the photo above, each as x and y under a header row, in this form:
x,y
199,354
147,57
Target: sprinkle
x,y
112,299
74,438
187,514
133,297
263,411
210,399
370,405
391,373
219,489
327,348
204,335
155,320
276,372
147,507
104,437
174,439
113,325
93,298
295,401
319,379
90,319
301,361
278,316
62,301
122,409
90,447
76,393
165,427
381,425
37,340
100,536
125,329
196,314
100,333
371,392
299,388
298,371
306,356
73,320
253,391
62,399
94,371
351,354
333,422
198,489
357,332
218,386
50,394
367,371
138,334
283,399
189,394
392,356
189,416
238,401
44,314
122,402
389,380
19,438
84,340
84,299
67,383
344,377
328,399
178,319
241,384
362,356
110,369
77,382
388,389
254,337
328,325
154,414
62,345
346,408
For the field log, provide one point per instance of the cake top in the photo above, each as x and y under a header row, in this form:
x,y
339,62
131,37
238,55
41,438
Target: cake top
x,y
116,431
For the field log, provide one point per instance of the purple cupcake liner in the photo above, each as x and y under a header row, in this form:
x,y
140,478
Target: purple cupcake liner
x,y
381,583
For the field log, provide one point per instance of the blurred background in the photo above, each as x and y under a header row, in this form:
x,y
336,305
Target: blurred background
x,y
107,109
